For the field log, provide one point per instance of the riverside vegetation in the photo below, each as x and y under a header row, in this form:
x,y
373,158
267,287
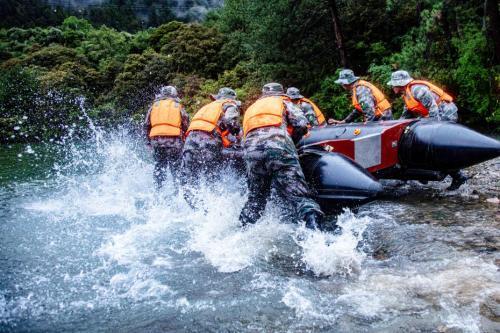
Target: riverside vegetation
x,y
48,72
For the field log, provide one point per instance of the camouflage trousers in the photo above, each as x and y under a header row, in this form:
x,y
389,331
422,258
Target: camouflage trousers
x,y
166,158
198,165
279,169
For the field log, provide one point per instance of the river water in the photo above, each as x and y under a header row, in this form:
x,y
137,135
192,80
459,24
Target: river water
x,y
87,245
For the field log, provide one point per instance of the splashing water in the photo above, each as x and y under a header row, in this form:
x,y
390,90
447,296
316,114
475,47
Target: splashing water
x,y
88,245
339,253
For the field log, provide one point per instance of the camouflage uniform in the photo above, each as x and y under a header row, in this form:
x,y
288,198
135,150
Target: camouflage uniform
x,y
166,150
307,109
446,111
309,113
203,151
365,98
368,103
271,159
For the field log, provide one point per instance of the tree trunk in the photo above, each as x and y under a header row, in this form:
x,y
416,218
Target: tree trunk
x,y
339,37
492,27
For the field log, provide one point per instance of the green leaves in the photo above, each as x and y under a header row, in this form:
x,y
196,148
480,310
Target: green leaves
x,y
244,45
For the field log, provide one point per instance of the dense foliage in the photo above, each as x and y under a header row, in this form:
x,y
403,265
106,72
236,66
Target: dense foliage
x,y
50,75
127,15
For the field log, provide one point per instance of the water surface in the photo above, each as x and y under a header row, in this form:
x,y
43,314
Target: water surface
x,y
87,245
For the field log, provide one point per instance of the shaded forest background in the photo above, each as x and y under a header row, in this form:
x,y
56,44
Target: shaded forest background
x,y
55,63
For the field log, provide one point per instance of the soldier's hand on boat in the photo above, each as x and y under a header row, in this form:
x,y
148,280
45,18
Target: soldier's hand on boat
x,y
334,121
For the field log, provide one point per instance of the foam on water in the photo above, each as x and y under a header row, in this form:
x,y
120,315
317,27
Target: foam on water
x,y
217,234
305,306
327,254
457,286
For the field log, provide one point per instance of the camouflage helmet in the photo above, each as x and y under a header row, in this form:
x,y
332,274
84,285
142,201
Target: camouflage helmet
x,y
273,88
168,91
346,76
225,93
293,93
400,79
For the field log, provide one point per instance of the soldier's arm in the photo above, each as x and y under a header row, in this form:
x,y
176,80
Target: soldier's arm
x,y
425,96
295,118
147,123
351,117
184,121
405,114
231,119
309,114
366,101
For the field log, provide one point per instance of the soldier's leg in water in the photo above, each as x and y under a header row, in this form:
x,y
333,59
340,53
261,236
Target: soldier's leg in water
x,y
449,112
189,177
292,186
458,179
259,188
174,164
160,158
212,167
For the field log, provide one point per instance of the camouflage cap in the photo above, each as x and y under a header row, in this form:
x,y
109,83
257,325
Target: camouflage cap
x,y
346,76
273,88
293,93
225,93
168,91
400,79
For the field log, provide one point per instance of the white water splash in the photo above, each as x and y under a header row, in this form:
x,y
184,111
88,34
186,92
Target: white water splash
x,y
327,254
218,235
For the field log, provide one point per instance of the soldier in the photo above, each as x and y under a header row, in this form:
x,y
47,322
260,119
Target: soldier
x,y
311,111
425,100
368,101
207,135
165,125
271,157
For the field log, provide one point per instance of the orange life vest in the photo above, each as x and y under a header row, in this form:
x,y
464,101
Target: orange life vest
x,y
265,112
207,117
381,102
165,118
317,111
415,106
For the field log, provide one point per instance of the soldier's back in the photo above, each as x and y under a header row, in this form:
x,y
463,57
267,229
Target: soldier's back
x,y
269,138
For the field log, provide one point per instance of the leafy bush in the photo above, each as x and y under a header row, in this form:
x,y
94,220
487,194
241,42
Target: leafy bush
x,y
243,45
333,100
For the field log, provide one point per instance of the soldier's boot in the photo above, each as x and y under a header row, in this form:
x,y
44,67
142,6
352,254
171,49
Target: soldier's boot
x,y
245,220
311,220
458,179
316,221
251,212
